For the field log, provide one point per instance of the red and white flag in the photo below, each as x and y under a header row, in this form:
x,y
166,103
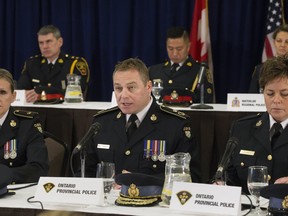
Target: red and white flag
x,y
200,48
274,19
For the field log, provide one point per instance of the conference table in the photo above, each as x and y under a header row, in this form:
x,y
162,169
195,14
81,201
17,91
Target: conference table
x,y
70,122
18,205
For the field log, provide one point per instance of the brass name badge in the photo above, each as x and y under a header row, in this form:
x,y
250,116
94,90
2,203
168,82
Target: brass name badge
x,y
247,152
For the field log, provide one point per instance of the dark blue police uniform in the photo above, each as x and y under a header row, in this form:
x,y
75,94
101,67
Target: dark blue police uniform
x,y
162,132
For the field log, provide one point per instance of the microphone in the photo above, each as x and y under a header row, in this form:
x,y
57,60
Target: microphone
x,y
230,147
201,73
93,130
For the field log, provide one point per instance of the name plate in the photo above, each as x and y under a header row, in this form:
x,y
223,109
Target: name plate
x,y
20,98
87,191
206,199
246,102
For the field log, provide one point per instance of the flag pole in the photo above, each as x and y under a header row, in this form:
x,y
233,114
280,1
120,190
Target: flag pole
x,y
283,14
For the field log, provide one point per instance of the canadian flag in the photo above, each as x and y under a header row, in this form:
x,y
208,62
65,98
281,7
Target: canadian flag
x,y
200,48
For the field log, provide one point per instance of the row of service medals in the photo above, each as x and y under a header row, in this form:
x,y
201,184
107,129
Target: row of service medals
x,y
155,149
10,149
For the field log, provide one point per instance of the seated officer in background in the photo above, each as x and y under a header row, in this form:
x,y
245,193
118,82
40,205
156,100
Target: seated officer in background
x,y
180,72
22,147
263,138
48,72
139,145
280,39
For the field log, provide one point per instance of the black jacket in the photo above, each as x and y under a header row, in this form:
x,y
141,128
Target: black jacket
x,y
22,147
254,148
184,78
110,144
36,73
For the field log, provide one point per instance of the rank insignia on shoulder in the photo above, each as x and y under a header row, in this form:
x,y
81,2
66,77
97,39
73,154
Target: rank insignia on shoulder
x,y
25,113
174,112
102,112
81,66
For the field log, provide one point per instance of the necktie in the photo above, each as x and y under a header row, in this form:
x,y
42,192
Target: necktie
x,y
174,68
132,127
50,66
275,132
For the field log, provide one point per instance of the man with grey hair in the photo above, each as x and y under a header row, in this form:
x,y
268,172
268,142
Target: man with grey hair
x,y
48,72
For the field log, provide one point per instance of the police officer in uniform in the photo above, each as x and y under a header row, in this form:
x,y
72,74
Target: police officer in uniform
x,y
48,72
158,131
22,147
263,138
181,71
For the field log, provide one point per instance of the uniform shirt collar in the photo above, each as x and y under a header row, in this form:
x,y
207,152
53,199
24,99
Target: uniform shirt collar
x,y
3,118
272,121
53,62
141,115
181,63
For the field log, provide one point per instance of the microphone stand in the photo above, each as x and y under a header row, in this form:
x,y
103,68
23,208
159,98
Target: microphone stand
x,y
201,105
83,154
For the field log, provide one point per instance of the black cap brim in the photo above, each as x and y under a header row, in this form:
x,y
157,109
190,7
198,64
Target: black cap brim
x,y
275,190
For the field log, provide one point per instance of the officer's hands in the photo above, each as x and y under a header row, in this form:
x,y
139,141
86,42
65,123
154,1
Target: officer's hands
x,y
283,180
31,96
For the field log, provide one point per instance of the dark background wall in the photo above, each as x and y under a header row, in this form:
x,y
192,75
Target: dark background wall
x,y
107,31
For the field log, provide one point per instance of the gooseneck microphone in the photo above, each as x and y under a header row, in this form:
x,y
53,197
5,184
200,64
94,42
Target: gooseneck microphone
x,y
201,74
93,130
230,147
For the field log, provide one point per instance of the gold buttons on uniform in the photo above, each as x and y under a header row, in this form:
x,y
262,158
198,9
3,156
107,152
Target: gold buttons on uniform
x,y
170,81
269,157
242,164
154,166
127,152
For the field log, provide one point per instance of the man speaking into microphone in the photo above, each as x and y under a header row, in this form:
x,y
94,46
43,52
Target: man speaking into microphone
x,y
138,133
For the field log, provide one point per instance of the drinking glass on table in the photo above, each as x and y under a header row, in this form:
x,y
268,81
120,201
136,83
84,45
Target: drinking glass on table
x,y
157,86
106,170
257,179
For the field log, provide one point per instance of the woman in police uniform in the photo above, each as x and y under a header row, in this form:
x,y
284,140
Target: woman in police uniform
x,y
257,144
22,147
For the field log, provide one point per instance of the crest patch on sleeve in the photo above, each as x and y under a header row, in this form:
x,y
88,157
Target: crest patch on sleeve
x,y
187,131
81,66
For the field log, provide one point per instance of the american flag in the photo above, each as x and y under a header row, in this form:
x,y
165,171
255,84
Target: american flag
x,y
274,19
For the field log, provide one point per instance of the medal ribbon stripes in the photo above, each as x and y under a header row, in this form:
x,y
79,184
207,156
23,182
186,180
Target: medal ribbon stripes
x,y
10,149
155,149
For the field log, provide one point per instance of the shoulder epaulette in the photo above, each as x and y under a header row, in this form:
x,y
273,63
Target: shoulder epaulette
x,y
35,57
249,117
174,112
102,112
71,57
166,63
25,113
